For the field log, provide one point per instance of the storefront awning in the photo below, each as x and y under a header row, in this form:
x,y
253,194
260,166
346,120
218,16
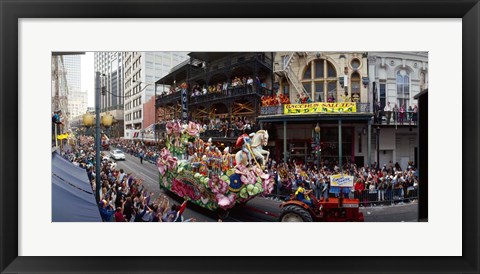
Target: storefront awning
x,y
73,199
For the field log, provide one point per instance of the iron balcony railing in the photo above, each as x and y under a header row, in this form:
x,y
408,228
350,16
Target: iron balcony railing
x,y
230,92
279,110
166,98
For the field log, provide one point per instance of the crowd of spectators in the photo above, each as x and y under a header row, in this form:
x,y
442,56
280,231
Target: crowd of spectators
x,y
146,150
400,115
371,184
218,127
224,87
123,196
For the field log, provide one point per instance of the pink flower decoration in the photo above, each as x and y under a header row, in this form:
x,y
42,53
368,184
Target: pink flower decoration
x,y
249,178
177,128
267,185
169,127
161,166
226,201
217,185
184,190
165,154
171,163
193,129
260,173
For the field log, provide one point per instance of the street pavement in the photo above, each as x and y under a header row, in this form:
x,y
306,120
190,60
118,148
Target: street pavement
x,y
259,209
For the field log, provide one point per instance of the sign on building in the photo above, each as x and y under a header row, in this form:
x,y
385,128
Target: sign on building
x,y
313,108
184,106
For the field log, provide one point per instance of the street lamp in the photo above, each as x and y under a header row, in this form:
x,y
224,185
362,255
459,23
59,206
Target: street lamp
x,y
88,120
107,120
98,89
319,149
378,147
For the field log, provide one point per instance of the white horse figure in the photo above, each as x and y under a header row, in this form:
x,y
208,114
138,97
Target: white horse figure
x,y
259,140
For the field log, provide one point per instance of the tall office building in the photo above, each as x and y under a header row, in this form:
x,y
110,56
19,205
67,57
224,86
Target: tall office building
x,y
142,70
77,100
110,66
72,65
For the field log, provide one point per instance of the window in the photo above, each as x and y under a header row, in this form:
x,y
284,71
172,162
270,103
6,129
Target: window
x,y
285,87
284,61
403,88
318,69
308,73
355,80
323,78
355,64
382,94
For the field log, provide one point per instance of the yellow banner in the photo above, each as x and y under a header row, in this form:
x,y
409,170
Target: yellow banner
x,y
313,108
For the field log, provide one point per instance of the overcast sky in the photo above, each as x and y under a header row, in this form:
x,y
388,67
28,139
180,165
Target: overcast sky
x,y
88,77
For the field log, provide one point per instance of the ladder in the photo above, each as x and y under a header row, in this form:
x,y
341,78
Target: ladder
x,y
291,76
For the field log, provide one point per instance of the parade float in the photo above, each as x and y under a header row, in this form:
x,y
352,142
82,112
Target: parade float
x,y
212,178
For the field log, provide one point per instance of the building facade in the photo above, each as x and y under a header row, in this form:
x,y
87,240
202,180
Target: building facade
x,y
141,70
77,100
111,68
73,72
325,78
77,103
396,77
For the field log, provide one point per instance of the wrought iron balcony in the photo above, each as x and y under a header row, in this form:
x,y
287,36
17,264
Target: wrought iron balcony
x,y
229,93
168,98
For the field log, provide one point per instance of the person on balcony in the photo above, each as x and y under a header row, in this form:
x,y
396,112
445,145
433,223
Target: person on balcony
x,y
388,112
395,114
414,115
402,114
331,99
409,114
225,87
250,83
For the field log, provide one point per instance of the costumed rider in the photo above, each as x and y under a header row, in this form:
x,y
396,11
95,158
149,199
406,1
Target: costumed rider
x,y
303,195
247,142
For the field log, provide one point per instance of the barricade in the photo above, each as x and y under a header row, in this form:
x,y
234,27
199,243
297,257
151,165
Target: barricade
x,y
369,197
386,196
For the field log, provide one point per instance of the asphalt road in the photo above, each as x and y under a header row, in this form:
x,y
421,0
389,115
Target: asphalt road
x,y
259,209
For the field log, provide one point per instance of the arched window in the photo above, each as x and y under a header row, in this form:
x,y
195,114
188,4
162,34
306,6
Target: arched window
x,y
403,88
355,80
320,80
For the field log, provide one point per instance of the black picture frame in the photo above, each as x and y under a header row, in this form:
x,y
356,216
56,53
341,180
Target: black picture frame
x,y
11,11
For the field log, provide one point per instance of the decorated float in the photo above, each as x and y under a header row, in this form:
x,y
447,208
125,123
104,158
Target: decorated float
x,y
208,176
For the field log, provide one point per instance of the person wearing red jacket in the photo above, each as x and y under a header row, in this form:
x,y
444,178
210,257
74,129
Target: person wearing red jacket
x,y
359,188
